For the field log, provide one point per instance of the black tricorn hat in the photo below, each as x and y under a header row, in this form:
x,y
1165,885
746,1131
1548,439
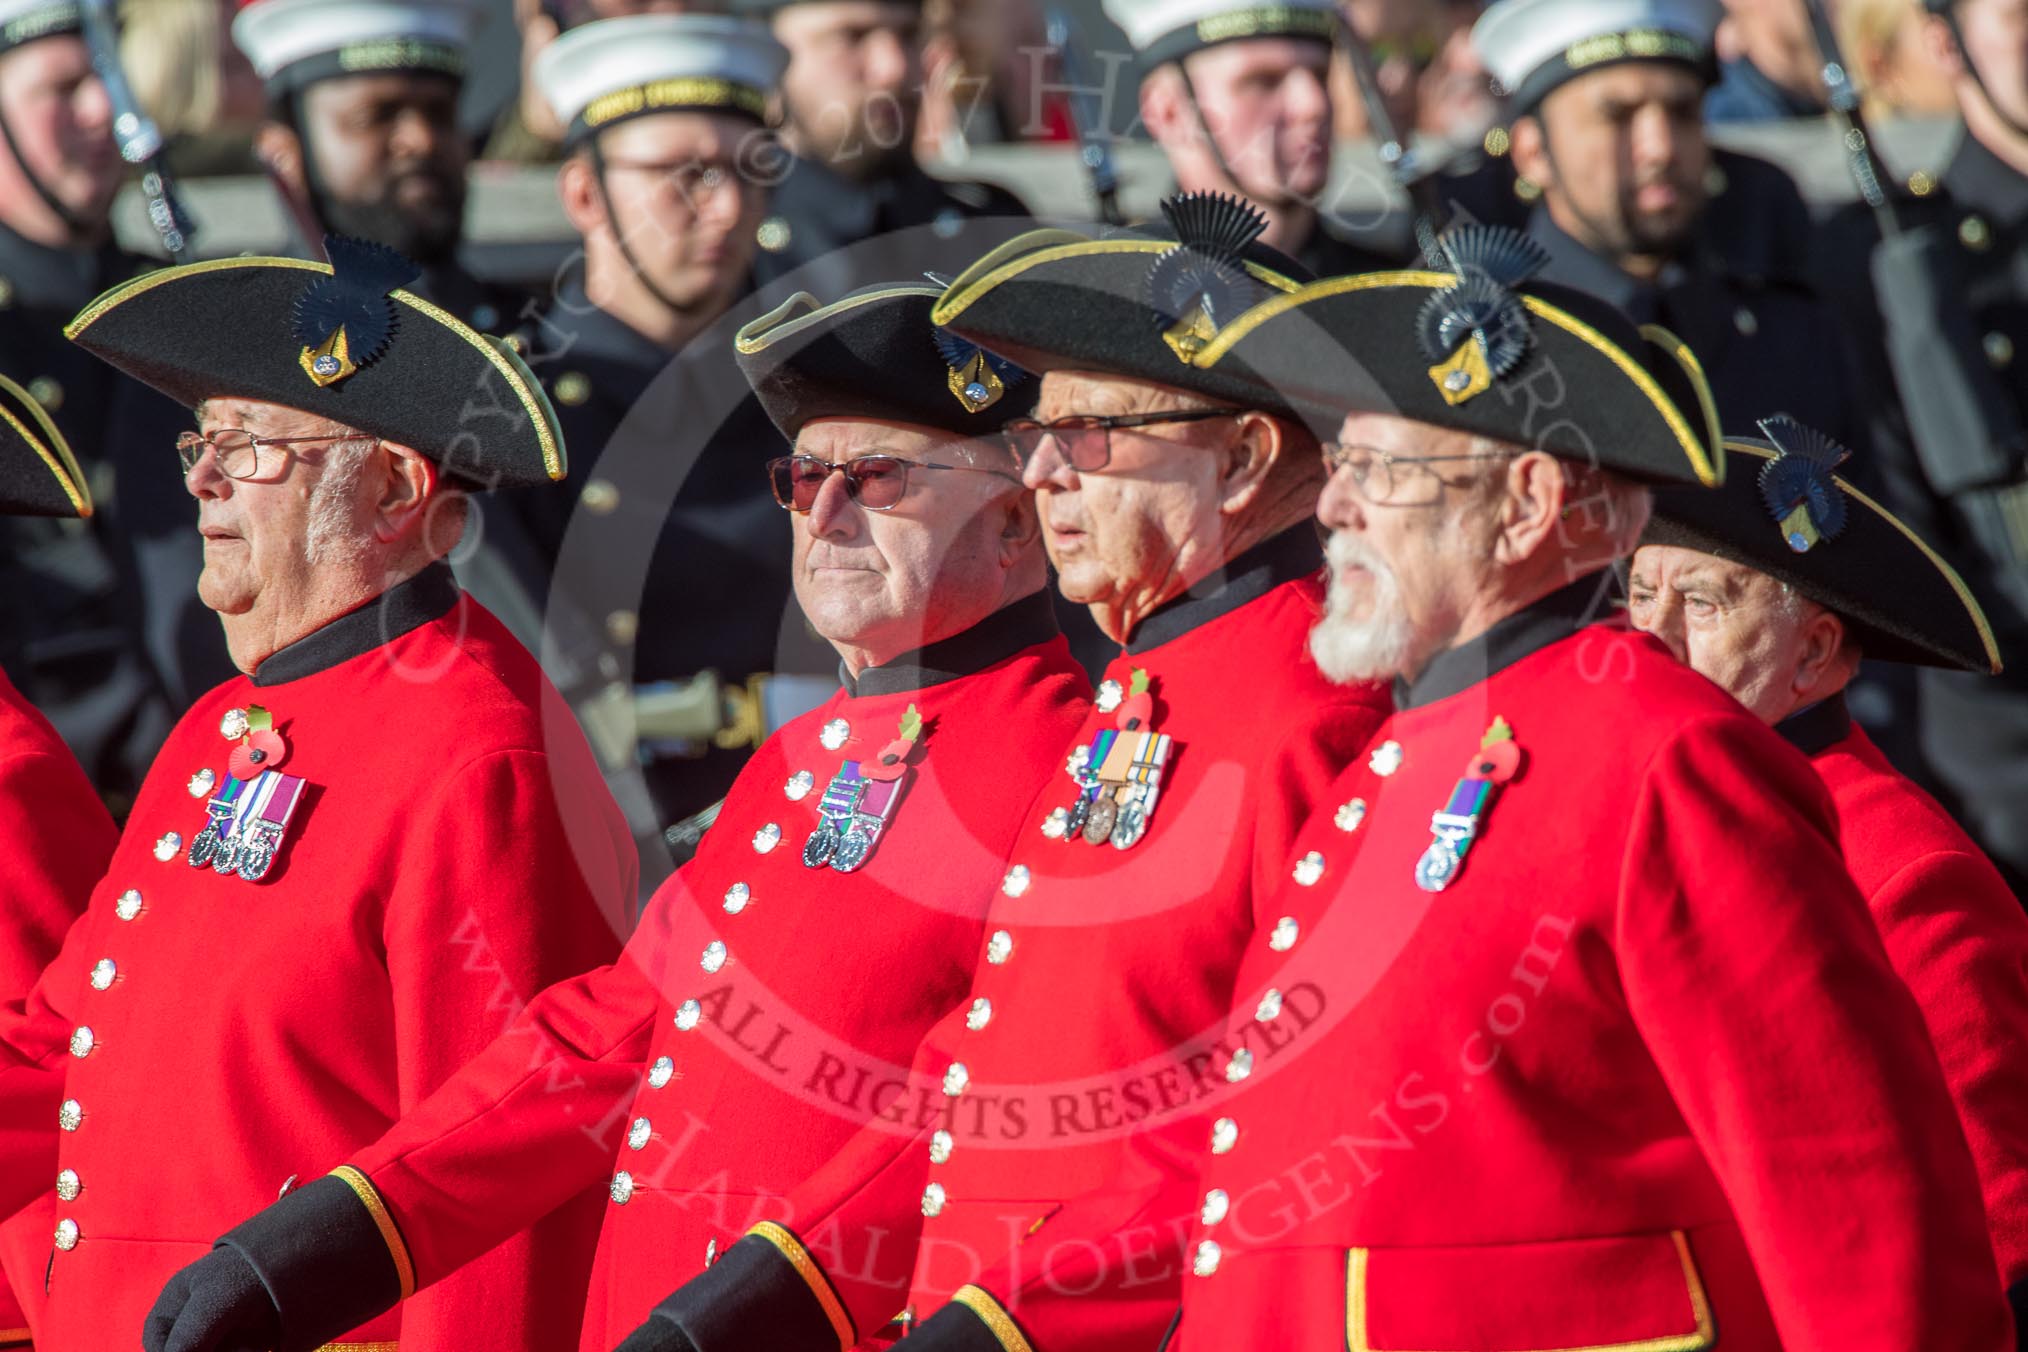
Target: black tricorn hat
x,y
341,340
875,354
1139,303
1483,349
38,474
1784,513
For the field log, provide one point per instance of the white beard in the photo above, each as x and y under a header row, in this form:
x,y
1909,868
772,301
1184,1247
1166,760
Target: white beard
x,y
1375,648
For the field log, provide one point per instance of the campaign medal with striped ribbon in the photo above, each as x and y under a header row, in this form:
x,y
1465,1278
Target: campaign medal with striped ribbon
x,y
1119,772
861,800
246,820
1457,824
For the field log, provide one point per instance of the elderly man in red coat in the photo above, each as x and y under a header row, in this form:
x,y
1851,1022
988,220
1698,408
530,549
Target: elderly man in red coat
x,y
348,866
779,983
1567,1027
1177,504
55,834
1775,587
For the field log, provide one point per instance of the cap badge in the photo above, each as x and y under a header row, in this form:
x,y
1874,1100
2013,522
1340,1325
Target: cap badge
x,y
976,377
345,321
1797,485
1195,287
1476,330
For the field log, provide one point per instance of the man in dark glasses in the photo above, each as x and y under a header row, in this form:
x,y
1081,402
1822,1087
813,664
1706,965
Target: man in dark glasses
x,y
1176,503
779,983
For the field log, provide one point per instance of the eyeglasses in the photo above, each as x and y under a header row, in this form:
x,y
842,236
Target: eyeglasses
x,y
1385,479
1085,440
875,482
237,452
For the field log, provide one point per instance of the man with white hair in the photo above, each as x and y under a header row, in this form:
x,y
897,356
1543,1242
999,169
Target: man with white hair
x,y
1596,1046
778,984
350,864
1612,1055
1774,587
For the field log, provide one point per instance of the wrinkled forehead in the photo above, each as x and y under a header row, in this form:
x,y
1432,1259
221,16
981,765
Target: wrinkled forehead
x,y
258,415
1068,392
1682,567
848,438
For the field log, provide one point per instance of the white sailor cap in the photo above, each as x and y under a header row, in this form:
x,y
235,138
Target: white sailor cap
x,y
1532,46
1167,30
295,43
614,69
23,21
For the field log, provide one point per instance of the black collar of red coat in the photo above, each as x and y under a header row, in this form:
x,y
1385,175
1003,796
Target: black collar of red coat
x,y
1296,552
1013,627
402,608
1528,630
1819,727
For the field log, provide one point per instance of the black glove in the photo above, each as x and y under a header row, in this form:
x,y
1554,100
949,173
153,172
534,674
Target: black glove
x,y
657,1335
217,1304
289,1279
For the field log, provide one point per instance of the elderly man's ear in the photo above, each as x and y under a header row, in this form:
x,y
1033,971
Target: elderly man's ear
x,y
401,483
1537,487
1250,459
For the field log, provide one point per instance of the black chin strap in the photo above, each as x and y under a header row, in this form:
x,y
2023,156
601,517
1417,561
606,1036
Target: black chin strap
x,y
78,229
598,161
1282,200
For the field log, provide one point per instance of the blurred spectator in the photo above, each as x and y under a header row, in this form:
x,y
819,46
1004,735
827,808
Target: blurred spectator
x,y
201,91
1243,107
1883,41
850,102
362,135
1430,79
71,620
526,132
988,75
1768,64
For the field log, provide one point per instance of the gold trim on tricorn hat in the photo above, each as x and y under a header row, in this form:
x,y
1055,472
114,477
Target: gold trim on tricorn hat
x,y
876,355
38,474
1578,378
1784,512
341,340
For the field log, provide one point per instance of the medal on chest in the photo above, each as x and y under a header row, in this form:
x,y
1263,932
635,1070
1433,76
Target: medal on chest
x,y
1457,824
1118,773
860,802
247,818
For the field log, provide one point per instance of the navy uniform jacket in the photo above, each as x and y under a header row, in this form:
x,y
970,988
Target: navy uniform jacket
x,y
663,554
921,223
75,604
1975,728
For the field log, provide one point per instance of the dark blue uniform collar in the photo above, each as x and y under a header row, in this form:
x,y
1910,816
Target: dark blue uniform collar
x,y
1527,631
1013,627
401,609
59,279
1979,179
1818,727
1572,264
1296,552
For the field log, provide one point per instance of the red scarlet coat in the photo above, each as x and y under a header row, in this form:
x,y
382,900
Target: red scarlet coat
x,y
1098,1001
450,859
55,839
697,1121
1959,940
1639,1076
